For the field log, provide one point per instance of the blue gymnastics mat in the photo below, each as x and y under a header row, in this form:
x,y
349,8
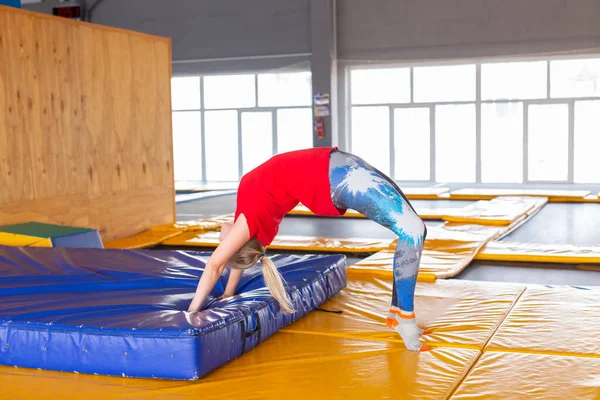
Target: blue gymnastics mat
x,y
123,312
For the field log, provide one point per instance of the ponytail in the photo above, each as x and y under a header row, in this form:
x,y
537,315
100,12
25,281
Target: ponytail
x,y
275,284
252,252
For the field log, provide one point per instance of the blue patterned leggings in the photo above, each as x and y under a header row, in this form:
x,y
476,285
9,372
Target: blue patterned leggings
x,y
359,186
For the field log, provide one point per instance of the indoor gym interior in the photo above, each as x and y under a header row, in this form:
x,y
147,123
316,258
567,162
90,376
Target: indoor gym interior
x,y
126,126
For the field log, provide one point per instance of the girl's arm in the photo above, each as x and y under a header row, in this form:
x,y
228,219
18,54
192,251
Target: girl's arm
x,y
234,278
235,239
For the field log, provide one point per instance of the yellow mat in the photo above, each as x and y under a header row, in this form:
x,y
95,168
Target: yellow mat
x,y
517,376
11,239
500,211
558,321
460,314
424,212
159,234
292,243
428,193
488,194
543,253
289,366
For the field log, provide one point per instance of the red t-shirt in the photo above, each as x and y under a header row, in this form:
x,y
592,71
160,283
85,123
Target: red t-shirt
x,y
268,192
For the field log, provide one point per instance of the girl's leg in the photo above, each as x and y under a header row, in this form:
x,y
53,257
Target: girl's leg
x,y
357,185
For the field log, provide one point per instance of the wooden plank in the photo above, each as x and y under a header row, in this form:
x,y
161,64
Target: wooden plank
x,y
115,215
85,116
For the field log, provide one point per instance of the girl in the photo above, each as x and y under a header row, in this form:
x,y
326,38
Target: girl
x,y
328,182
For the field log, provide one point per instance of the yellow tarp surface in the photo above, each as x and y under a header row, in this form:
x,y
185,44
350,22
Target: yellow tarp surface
x,y
532,252
158,234
517,376
488,194
420,193
448,250
460,314
559,321
290,366
285,242
11,239
424,212
500,211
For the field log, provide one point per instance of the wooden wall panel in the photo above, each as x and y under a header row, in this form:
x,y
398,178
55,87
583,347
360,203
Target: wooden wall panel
x,y
85,125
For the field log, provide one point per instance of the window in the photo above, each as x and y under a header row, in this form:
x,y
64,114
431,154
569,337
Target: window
x,y
285,89
229,91
587,142
245,118
502,143
294,129
371,135
509,122
221,145
575,78
185,93
187,146
412,144
548,142
516,80
257,139
380,86
444,83
455,143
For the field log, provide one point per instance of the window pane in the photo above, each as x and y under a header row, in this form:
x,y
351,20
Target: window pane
x,y
411,144
445,83
515,80
294,129
502,143
286,89
221,146
185,93
575,78
229,91
587,142
455,143
386,85
548,142
257,139
371,136
187,146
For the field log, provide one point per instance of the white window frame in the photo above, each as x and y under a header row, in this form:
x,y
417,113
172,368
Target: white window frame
x,y
569,101
256,108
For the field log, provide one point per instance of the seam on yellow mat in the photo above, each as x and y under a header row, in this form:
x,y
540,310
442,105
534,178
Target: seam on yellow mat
x,y
484,348
541,352
461,378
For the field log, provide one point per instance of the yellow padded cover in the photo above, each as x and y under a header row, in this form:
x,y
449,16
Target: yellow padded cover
x,y
517,376
488,194
428,193
424,212
158,234
448,250
500,211
284,242
543,253
11,239
460,314
290,366
558,320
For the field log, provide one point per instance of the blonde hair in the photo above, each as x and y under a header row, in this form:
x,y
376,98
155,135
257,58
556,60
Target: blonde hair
x,y
252,252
